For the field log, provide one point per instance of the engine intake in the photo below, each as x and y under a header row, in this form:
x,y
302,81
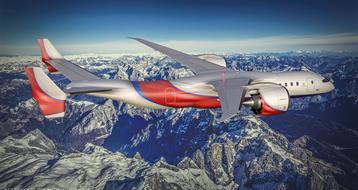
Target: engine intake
x,y
270,101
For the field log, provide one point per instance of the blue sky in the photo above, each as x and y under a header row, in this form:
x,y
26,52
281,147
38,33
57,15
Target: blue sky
x,y
200,26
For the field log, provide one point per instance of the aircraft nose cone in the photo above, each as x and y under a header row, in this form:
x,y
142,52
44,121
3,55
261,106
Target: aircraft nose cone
x,y
330,87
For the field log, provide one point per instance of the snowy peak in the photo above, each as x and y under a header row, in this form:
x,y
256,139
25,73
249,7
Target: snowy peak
x,y
93,149
95,167
35,142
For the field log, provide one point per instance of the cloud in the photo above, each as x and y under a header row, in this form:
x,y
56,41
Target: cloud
x,y
331,42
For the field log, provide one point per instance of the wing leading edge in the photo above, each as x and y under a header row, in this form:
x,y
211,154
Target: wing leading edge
x,y
195,64
231,91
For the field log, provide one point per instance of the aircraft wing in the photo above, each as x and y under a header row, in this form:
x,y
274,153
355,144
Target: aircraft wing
x,y
56,63
195,64
231,94
71,70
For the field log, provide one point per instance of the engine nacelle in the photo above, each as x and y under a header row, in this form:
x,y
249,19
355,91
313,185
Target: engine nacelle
x,y
270,101
213,59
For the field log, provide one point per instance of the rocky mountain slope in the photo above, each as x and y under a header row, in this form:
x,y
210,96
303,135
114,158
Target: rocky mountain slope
x,y
253,157
310,147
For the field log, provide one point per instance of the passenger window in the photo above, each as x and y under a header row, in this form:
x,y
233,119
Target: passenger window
x,y
291,83
297,83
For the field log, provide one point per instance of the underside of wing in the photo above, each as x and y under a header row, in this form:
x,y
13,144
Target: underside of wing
x,y
231,94
195,64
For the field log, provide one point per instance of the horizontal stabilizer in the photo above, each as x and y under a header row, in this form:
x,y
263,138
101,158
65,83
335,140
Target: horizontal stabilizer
x,y
80,90
50,98
56,63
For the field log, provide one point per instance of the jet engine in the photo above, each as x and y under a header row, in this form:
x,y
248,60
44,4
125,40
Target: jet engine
x,y
269,101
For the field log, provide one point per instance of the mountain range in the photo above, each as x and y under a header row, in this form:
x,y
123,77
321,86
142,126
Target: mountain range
x,y
112,145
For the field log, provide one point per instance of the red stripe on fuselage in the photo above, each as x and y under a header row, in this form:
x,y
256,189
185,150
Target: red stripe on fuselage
x,y
164,93
47,104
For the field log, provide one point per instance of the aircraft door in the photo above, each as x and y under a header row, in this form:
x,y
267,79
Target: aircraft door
x,y
310,85
170,95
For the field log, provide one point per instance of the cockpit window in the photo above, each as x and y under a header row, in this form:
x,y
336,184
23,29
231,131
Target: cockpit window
x,y
326,79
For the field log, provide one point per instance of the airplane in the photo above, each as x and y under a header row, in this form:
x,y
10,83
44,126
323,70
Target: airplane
x,y
212,85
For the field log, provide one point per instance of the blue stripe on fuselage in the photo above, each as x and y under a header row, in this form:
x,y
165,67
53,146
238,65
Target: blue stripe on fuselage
x,y
139,91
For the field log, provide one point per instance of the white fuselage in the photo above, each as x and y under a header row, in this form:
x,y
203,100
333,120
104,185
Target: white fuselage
x,y
297,83
158,94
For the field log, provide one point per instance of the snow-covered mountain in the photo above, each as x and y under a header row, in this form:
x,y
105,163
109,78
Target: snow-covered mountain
x,y
252,157
108,144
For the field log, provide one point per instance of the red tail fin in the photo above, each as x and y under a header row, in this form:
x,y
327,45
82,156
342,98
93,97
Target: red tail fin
x,y
48,52
49,97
